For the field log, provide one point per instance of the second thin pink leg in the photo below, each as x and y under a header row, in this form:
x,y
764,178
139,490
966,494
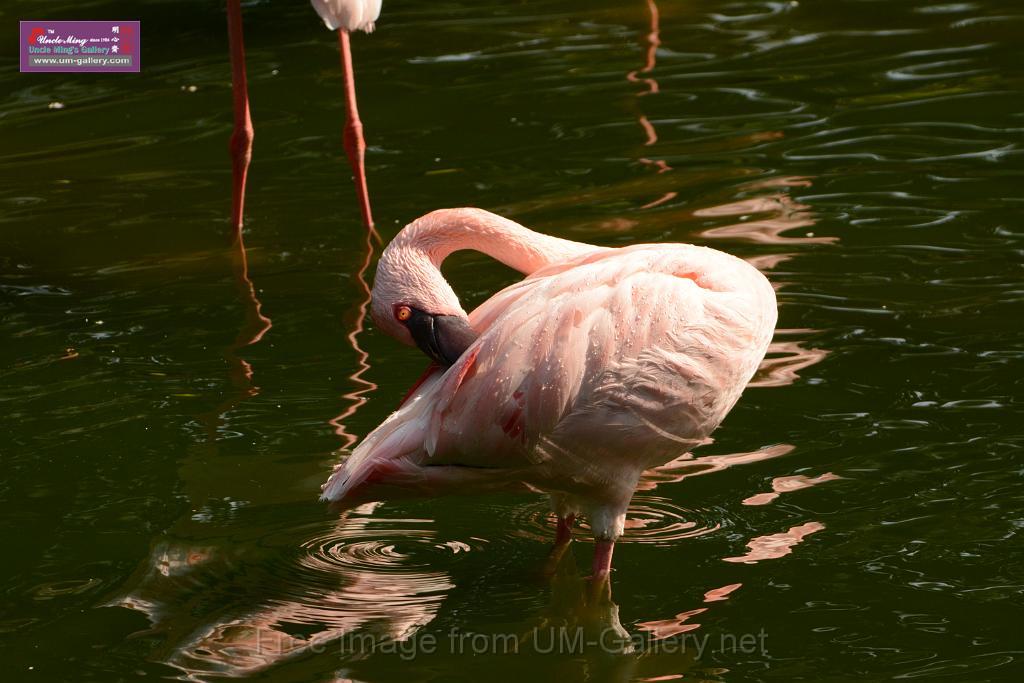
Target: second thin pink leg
x,y
563,532
602,559
355,146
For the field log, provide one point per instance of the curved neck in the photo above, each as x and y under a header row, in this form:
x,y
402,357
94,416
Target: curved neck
x,y
442,232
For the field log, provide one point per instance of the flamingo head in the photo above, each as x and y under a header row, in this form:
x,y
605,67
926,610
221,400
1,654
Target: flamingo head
x,y
413,303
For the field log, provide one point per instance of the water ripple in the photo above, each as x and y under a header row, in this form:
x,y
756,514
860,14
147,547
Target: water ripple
x,y
651,520
362,573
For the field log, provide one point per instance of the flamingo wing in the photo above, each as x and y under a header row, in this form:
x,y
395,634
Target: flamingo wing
x,y
617,349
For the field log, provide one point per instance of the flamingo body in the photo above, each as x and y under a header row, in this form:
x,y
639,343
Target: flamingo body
x,y
348,15
600,364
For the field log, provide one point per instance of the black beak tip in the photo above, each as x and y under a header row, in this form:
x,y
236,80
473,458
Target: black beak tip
x,y
444,338
454,336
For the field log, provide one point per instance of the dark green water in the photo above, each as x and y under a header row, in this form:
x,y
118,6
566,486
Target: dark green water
x,y
158,511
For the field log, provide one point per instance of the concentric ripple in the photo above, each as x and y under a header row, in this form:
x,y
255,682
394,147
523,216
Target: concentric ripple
x,y
320,582
381,546
652,520
363,567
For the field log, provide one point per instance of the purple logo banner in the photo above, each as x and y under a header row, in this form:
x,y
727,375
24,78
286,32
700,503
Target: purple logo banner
x,y
79,46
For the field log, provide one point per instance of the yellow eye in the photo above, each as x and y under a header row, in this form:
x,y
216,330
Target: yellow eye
x,y
403,313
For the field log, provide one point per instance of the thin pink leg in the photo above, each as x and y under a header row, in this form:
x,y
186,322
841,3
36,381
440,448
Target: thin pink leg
x,y
602,560
241,137
355,146
563,538
563,532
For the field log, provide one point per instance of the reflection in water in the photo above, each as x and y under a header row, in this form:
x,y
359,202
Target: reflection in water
x,y
787,215
681,629
911,129
657,520
634,191
680,624
760,548
230,610
686,465
295,590
256,324
785,359
252,330
782,485
584,623
651,520
776,545
363,574
357,397
722,593
221,609
643,75
577,603
666,628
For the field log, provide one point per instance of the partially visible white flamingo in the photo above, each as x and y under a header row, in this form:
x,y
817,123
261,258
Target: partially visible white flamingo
x,y
345,16
600,364
341,15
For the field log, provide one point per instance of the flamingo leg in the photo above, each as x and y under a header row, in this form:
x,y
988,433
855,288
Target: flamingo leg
x,y
563,532
563,537
355,146
602,560
241,137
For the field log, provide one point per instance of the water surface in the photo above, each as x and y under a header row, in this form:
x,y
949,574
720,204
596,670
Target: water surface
x,y
167,417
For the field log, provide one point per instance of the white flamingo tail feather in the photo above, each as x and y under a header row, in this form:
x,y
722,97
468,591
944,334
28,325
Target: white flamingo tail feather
x,y
394,460
392,451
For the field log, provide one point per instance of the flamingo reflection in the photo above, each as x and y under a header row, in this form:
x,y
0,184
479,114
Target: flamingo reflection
x,y
607,646
254,327
357,397
643,76
788,215
775,546
686,465
363,576
782,485
785,360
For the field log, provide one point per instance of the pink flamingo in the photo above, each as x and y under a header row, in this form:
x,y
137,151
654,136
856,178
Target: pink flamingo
x,y
600,364
344,16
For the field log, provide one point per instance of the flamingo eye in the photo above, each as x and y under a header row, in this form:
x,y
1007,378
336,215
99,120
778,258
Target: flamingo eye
x,y
403,313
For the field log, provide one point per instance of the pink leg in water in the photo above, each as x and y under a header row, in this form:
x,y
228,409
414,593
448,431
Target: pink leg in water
x,y
563,532
563,537
241,137
602,560
355,146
